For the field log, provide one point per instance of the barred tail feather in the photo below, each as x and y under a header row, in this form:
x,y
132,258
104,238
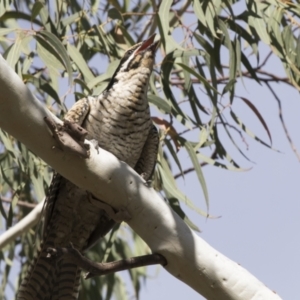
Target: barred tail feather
x,y
67,281
50,279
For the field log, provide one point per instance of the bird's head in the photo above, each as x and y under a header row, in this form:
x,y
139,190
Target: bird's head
x,y
137,60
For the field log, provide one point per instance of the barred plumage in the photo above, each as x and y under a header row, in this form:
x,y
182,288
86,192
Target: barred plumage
x,y
119,119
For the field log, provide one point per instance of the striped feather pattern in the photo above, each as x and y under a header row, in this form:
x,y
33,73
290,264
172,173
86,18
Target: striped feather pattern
x,y
119,119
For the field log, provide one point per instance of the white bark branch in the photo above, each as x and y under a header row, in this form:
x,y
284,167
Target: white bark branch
x,y
190,258
22,226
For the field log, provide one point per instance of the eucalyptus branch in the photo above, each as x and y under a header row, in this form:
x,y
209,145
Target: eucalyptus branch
x,y
22,226
189,257
98,269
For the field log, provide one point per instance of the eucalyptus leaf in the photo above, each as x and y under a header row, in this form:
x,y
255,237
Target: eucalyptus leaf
x,y
54,45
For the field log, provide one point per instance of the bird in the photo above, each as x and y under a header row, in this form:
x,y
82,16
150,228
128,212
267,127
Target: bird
x,y
119,120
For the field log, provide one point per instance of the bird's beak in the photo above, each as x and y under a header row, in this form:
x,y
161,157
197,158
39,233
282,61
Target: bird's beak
x,y
148,44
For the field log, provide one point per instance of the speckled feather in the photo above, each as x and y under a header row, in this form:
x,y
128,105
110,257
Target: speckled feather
x,y
119,119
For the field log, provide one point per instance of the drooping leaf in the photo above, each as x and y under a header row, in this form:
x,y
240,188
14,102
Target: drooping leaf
x,y
43,85
55,47
191,151
160,103
37,6
80,62
114,14
13,53
167,39
198,76
248,131
258,115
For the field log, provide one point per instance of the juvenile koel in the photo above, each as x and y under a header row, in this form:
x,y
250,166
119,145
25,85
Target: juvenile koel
x,y
119,119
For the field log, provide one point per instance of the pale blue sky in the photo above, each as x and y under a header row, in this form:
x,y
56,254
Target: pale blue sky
x,y
259,208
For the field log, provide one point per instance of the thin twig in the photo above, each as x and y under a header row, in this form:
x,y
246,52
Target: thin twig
x,y
239,132
19,203
139,14
272,78
189,170
184,172
265,60
98,269
283,123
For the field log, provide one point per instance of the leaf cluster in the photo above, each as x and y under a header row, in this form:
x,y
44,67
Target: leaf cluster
x,y
65,50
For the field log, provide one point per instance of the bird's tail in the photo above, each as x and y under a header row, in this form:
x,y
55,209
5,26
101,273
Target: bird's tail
x,y
50,279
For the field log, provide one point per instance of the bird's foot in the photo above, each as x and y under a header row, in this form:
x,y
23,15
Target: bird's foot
x,y
70,137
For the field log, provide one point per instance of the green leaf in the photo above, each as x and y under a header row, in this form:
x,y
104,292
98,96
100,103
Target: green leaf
x,y
2,210
160,103
174,203
174,155
80,62
13,53
187,53
5,31
27,62
4,6
104,77
248,131
242,33
6,140
50,60
228,86
274,23
84,86
227,40
163,17
260,27
37,6
76,17
215,163
44,86
298,52
114,14
210,51
110,242
170,187
17,15
189,148
167,66
258,115
120,290
224,153
190,93
238,56
198,76
54,46
203,137
249,68
210,15
199,12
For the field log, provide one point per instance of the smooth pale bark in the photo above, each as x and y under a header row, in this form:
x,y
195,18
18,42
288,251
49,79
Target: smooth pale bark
x,y
190,258
22,226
